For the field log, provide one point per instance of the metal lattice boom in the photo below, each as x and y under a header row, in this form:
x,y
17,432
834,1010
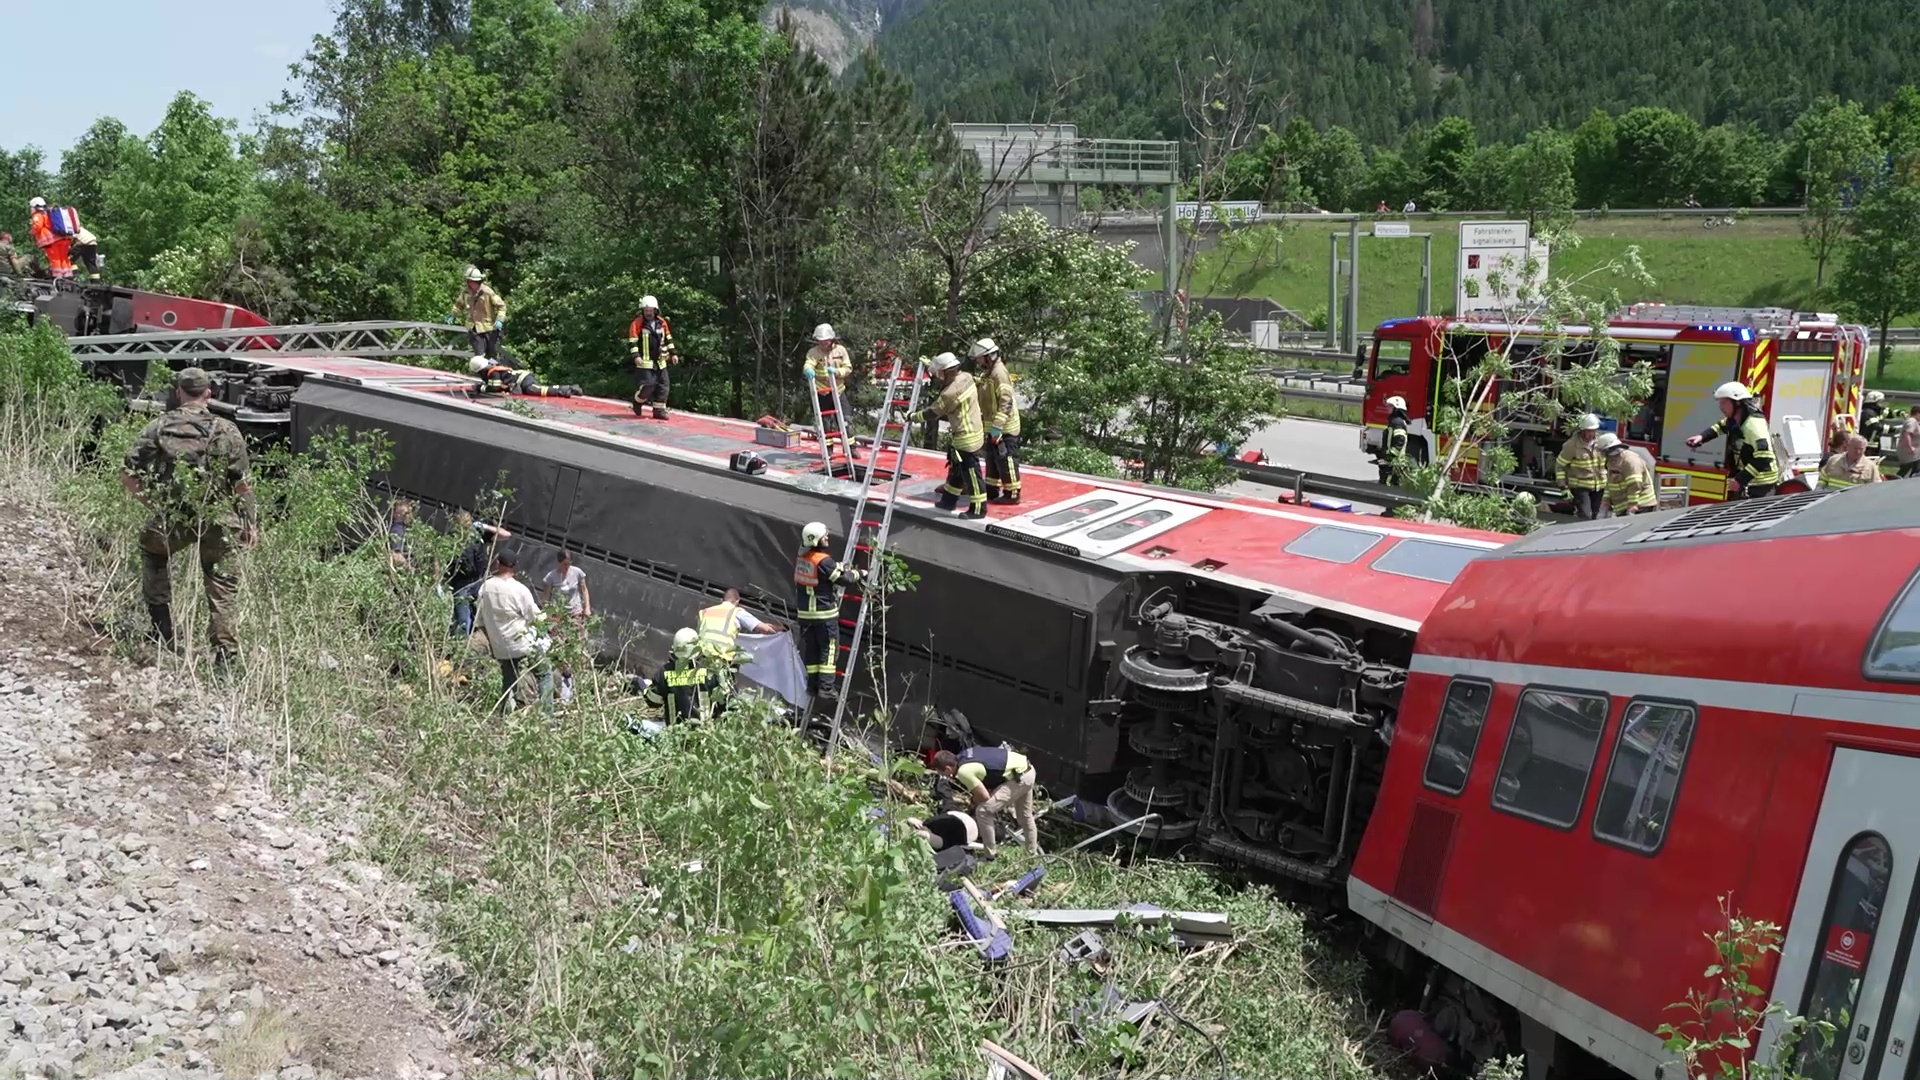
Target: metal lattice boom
x,y
372,340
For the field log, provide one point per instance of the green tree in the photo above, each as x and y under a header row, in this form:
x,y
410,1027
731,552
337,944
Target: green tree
x,y
1596,159
1879,277
1897,125
88,168
1540,181
1336,171
1658,157
1735,165
1446,162
181,189
23,175
1834,143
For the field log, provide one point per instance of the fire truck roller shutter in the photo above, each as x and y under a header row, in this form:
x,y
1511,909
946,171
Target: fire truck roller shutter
x,y
1697,368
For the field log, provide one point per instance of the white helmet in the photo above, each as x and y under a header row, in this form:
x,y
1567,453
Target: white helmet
x,y
1396,402
946,361
1590,422
474,274
1733,391
814,534
823,332
649,302
982,347
478,364
1876,396
685,638
1607,441
36,203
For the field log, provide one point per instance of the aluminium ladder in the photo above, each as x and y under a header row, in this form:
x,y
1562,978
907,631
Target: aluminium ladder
x,y
372,339
840,462
867,540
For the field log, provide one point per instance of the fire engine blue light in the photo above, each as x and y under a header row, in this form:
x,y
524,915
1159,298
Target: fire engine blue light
x,y
1746,333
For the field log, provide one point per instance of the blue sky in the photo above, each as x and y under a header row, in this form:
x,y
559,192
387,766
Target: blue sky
x,y
129,58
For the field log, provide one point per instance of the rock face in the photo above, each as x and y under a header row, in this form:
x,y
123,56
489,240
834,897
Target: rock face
x,y
161,912
840,29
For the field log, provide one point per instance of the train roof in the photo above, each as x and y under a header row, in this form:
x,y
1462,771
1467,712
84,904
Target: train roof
x,y
1387,571
1827,512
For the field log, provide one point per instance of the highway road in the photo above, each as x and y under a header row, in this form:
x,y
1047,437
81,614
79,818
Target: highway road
x,y
1315,446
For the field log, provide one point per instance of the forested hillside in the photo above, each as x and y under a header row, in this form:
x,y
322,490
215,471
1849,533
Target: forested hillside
x,y
1379,66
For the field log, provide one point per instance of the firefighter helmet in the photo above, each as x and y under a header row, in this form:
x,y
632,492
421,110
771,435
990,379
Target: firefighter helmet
x,y
36,203
823,332
649,303
1396,402
478,364
1608,442
946,361
983,347
1590,422
1875,397
1733,391
814,535
474,273
685,638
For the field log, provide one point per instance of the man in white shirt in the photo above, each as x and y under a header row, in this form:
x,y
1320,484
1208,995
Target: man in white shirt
x,y
510,616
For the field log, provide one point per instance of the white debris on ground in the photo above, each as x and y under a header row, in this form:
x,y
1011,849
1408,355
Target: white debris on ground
x,y
161,914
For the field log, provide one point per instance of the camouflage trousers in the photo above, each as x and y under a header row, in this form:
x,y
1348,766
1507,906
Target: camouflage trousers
x,y
159,542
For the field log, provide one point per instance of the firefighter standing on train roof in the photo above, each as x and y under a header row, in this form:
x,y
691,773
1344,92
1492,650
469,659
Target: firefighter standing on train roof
x,y
816,604
483,312
1753,471
1001,412
688,687
1850,465
959,405
1393,443
498,378
1582,468
650,347
1629,482
56,247
827,366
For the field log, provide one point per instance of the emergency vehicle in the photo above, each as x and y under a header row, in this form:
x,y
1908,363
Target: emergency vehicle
x,y
1806,371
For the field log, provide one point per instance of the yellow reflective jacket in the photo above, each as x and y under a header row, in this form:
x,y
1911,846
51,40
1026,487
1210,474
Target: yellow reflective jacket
x,y
835,360
959,405
998,407
1581,465
1630,483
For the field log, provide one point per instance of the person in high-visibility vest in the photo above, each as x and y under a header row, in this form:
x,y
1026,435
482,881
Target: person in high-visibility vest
x,y
1753,470
483,312
1851,466
650,347
816,604
1001,411
721,625
1392,458
1629,481
994,778
57,248
1582,468
687,688
1873,419
498,378
959,405
827,365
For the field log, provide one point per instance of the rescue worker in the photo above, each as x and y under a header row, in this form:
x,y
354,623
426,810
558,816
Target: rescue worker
x,y
54,246
650,347
1753,472
827,365
11,261
1873,419
816,604
1392,455
688,687
190,468
86,251
721,625
1630,487
959,405
1582,469
994,778
1001,413
484,312
498,378
1851,465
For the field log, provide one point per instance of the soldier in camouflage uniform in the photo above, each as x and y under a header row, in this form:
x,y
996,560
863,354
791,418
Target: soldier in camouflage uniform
x,y
190,468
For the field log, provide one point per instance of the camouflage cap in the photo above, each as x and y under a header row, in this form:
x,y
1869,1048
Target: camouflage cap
x,y
192,380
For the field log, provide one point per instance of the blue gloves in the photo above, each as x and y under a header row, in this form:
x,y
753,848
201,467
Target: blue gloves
x,y
498,323
996,433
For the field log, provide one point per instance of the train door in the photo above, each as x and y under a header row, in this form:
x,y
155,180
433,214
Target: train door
x,y
1849,957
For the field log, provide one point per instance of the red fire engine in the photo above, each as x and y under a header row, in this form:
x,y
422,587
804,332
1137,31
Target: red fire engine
x,y
1806,371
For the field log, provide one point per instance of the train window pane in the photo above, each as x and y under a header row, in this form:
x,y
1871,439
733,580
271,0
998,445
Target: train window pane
x,y
1550,751
1852,919
1131,523
1077,512
1461,716
1333,544
1637,799
1392,358
1895,652
1426,560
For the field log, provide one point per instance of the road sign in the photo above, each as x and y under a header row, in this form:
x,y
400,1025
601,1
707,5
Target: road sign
x,y
1239,213
1487,248
1392,228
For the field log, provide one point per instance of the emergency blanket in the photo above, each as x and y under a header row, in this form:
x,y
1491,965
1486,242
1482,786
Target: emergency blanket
x,y
772,662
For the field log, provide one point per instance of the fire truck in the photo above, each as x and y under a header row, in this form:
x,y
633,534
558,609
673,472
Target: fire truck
x,y
1806,370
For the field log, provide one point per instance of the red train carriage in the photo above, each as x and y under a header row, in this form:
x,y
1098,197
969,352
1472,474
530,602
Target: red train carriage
x,y
1608,726
1805,369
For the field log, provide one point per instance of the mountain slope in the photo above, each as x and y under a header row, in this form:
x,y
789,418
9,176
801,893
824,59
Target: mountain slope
x,y
1377,66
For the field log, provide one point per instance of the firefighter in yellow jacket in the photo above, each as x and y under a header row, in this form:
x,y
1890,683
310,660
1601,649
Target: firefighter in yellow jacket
x,y
1582,468
827,366
484,312
1629,481
1001,412
959,405
496,378
1753,469
1851,466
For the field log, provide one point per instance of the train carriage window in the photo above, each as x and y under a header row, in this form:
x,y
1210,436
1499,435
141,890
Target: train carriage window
x,y
1392,358
1648,754
1426,560
1076,512
1549,755
1133,522
1895,652
1462,715
1846,943
1331,543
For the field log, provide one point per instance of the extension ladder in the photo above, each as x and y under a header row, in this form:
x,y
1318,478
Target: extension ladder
x,y
836,462
867,540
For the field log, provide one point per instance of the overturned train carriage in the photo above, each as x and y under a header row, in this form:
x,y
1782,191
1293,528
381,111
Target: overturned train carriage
x,y
1255,723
